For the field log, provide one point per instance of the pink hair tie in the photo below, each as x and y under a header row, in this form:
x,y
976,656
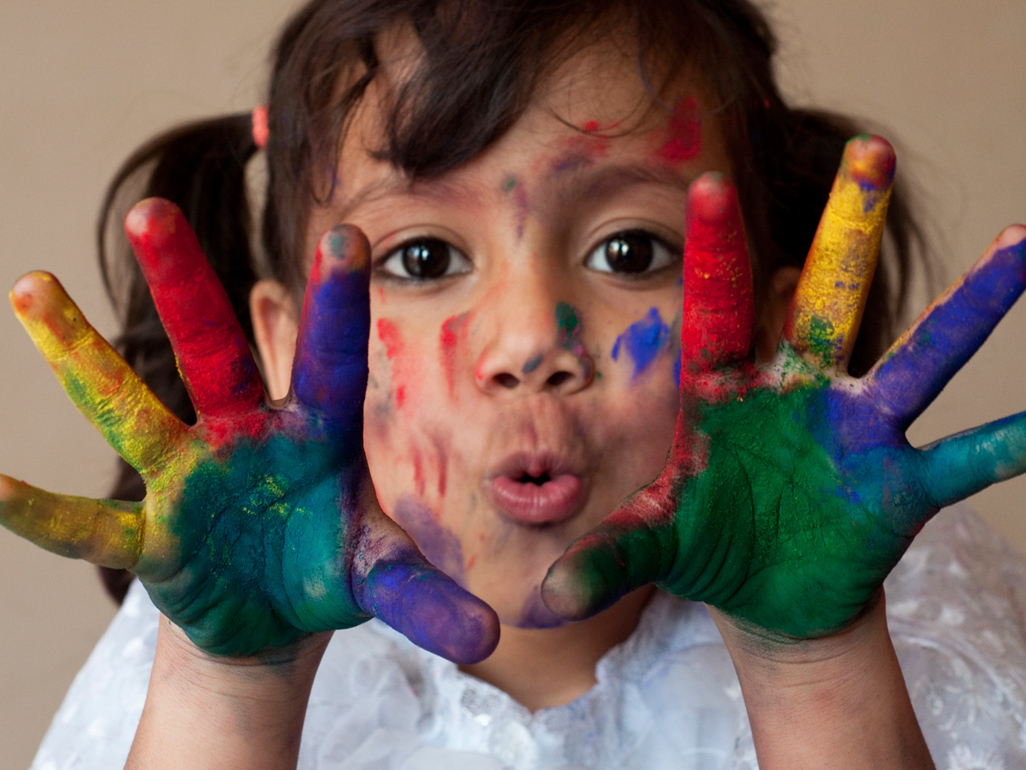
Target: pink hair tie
x,y
261,131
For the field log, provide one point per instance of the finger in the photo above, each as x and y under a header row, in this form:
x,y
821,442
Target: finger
x,y
719,308
98,381
631,548
330,369
394,582
962,465
212,351
831,294
922,361
102,532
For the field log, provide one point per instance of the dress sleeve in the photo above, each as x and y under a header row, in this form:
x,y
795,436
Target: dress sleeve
x,y
95,725
956,607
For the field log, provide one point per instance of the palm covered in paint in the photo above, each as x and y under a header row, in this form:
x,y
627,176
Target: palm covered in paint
x,y
259,525
791,490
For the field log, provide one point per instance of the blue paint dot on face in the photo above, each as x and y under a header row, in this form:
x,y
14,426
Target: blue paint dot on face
x,y
533,364
643,341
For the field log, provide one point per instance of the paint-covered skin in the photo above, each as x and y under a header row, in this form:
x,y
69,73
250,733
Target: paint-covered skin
x,y
790,491
259,524
498,424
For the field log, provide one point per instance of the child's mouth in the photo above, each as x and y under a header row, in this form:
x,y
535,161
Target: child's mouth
x,y
536,491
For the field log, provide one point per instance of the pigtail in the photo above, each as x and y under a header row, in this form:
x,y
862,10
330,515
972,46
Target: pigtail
x,y
201,167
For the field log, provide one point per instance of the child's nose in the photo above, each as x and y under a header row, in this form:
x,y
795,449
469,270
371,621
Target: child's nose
x,y
536,346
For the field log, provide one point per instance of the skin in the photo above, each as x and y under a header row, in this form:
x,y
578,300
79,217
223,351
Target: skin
x,y
257,530
521,343
824,662
790,491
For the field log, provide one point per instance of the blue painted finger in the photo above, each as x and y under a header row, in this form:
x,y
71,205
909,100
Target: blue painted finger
x,y
394,582
330,369
961,465
922,361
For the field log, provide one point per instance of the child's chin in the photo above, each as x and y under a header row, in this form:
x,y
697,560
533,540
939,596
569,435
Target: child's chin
x,y
533,614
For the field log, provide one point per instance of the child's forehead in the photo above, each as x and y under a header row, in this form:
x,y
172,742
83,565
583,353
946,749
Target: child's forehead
x,y
600,93
595,107
604,84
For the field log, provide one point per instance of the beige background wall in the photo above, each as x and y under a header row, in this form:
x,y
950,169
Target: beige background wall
x,y
82,83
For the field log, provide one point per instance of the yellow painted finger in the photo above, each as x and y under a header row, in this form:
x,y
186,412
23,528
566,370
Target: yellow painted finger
x,y
98,381
831,294
102,532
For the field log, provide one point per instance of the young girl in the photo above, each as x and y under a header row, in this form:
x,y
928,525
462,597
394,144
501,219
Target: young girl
x,y
525,176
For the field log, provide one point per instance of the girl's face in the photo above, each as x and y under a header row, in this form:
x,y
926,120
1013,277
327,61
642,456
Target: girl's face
x,y
525,322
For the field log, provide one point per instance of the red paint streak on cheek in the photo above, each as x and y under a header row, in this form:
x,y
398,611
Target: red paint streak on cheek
x,y
389,336
443,469
683,140
453,333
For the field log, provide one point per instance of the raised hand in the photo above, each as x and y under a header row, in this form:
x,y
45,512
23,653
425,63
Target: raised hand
x,y
260,524
791,491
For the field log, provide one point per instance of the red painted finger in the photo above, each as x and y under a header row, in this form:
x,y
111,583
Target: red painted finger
x,y
212,351
719,308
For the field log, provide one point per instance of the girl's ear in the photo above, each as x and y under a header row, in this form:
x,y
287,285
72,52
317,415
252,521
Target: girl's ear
x,y
770,325
275,327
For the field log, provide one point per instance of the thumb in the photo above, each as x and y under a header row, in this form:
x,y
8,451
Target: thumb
x,y
392,580
632,547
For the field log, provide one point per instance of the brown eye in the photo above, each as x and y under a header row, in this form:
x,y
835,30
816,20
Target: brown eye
x,y
425,259
629,252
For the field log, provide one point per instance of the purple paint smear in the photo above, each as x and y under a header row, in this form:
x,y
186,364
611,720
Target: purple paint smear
x,y
534,613
439,545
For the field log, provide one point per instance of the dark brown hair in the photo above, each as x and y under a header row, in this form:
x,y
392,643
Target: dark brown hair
x,y
479,65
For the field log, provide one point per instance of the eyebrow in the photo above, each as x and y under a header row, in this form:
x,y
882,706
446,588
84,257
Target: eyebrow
x,y
582,179
587,181
441,190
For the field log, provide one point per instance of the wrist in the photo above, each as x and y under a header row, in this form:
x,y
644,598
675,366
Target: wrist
x,y
274,675
837,699
204,710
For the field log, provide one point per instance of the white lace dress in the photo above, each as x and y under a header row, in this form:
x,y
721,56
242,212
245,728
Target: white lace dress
x,y
666,698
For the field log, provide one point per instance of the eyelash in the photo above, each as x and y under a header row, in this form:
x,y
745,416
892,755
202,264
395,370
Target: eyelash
x,y
662,253
395,265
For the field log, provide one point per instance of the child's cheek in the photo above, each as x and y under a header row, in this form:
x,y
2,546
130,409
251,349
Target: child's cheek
x,y
393,374
453,350
436,542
